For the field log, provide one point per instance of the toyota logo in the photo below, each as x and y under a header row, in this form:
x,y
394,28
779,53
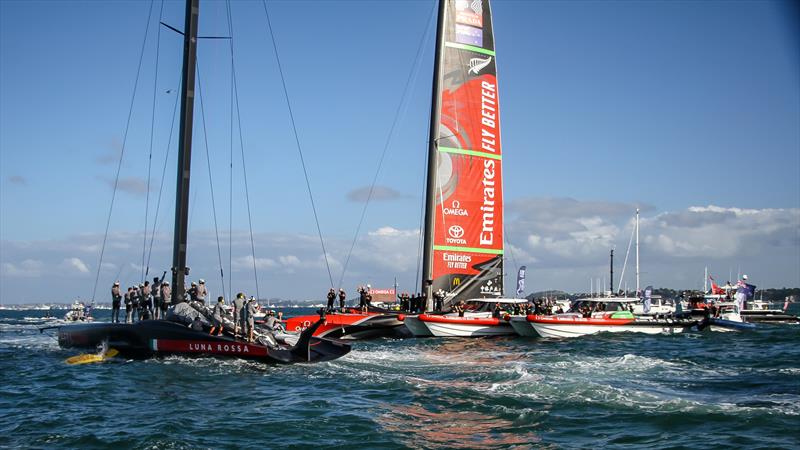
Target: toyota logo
x,y
456,231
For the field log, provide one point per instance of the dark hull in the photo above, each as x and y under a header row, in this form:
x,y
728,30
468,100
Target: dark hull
x,y
354,325
772,316
153,338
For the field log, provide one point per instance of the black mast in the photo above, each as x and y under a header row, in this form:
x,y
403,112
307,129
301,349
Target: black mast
x,y
433,136
179,269
611,284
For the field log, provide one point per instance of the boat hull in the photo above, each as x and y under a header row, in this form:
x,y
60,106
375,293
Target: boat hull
x,y
352,326
555,327
154,338
724,325
447,326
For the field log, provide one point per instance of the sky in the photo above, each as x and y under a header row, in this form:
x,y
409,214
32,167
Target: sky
x,y
689,111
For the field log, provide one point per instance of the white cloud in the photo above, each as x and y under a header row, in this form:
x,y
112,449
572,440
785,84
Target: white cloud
x,y
289,261
75,265
563,242
29,268
246,263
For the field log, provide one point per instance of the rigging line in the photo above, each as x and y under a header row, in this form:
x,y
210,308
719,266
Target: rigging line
x,y
412,76
210,178
241,146
163,173
622,275
297,140
122,151
146,267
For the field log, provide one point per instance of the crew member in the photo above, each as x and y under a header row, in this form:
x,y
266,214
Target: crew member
x,y
129,305
135,302
270,321
331,299
362,297
238,307
192,292
250,313
166,298
116,297
156,297
342,298
219,311
368,298
201,292
197,324
148,300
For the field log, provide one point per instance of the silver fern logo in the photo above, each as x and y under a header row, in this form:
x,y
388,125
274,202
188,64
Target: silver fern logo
x,y
476,6
477,64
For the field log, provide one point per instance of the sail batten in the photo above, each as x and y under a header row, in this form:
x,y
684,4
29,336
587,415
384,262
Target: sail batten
x,y
465,206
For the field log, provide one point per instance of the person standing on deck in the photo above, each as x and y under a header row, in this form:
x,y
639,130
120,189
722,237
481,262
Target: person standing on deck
x,y
331,299
129,305
362,296
116,297
166,298
201,291
741,292
238,309
250,315
219,311
156,298
148,299
192,292
367,299
342,299
135,303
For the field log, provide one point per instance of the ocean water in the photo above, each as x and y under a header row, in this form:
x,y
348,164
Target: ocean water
x,y
703,390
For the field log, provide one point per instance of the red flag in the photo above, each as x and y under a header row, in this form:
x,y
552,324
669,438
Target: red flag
x,y
716,290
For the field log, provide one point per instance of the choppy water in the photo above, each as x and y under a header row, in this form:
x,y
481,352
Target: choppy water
x,y
705,390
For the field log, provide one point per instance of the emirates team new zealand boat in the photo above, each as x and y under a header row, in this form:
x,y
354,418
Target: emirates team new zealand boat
x,y
463,233
173,336
353,324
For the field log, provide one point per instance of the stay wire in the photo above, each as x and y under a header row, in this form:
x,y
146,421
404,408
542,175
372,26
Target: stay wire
x,y
210,178
122,151
163,174
241,146
412,75
145,267
297,141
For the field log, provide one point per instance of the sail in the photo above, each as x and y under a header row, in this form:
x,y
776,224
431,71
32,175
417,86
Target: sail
x,y
467,198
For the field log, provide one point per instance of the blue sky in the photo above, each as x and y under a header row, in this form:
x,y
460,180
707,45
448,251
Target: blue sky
x,y
689,110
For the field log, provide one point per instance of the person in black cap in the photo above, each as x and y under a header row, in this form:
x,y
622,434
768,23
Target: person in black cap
x,y
331,298
116,298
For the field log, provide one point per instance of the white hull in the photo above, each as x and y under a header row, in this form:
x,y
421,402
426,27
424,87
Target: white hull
x,y
553,330
417,327
440,329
